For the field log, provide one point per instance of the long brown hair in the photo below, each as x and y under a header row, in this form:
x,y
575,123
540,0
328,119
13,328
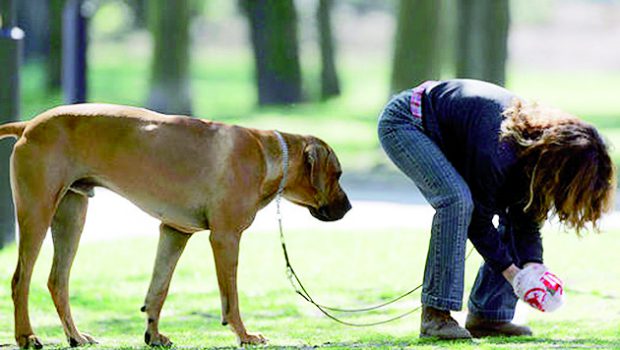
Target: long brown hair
x,y
566,161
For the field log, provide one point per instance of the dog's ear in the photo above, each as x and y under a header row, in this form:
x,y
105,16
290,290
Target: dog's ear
x,y
312,157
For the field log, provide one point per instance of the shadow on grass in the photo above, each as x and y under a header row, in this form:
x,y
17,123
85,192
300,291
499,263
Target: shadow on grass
x,y
493,342
542,343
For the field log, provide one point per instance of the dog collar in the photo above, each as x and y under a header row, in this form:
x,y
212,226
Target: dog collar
x,y
284,149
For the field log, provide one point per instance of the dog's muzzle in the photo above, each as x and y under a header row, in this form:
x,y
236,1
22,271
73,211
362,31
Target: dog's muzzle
x,y
332,211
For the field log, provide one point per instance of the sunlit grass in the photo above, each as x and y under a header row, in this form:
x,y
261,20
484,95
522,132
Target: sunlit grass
x,y
345,268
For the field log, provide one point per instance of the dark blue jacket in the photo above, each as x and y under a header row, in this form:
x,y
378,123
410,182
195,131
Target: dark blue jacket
x,y
463,117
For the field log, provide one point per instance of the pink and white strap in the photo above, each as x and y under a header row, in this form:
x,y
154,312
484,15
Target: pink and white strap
x,y
416,98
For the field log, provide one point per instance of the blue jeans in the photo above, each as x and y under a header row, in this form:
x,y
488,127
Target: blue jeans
x,y
492,297
403,138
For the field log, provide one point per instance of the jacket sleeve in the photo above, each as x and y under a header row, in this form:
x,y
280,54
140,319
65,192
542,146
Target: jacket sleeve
x,y
525,236
487,240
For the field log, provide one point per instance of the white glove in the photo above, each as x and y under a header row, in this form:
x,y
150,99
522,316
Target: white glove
x,y
539,288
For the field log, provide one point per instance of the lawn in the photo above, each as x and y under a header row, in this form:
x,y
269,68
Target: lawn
x,y
348,268
345,268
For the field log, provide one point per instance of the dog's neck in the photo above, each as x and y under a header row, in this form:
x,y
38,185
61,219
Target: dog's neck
x,y
274,165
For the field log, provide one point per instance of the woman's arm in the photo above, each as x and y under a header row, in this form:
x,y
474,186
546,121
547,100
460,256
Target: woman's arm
x,y
487,240
511,272
525,236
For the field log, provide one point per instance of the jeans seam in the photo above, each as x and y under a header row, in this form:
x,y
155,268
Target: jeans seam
x,y
398,146
439,302
501,315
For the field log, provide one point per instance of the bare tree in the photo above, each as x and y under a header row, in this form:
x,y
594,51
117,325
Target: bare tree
x,y
330,85
54,56
273,29
170,87
10,47
32,17
448,37
483,27
416,46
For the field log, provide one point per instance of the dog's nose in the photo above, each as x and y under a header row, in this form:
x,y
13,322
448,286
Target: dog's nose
x,y
335,211
347,205
327,213
324,212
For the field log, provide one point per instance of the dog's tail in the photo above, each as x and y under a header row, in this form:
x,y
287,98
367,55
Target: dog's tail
x,y
12,129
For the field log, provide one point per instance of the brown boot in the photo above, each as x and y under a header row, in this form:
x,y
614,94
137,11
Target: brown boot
x,y
439,324
480,327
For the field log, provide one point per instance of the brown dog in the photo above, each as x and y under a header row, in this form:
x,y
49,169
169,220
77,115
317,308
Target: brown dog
x,y
189,173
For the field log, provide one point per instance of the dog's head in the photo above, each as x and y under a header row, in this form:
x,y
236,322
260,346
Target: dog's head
x,y
315,182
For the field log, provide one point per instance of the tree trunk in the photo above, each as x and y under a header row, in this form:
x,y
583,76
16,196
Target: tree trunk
x,y
10,48
447,37
470,46
32,17
330,86
497,52
170,87
74,52
54,56
416,46
483,35
140,13
273,27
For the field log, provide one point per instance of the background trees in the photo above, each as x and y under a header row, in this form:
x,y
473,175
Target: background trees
x,y
11,41
364,48
273,32
42,20
466,38
432,39
482,39
330,84
169,76
54,57
416,43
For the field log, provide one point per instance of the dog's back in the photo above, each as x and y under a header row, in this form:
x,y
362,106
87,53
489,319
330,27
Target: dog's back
x,y
146,157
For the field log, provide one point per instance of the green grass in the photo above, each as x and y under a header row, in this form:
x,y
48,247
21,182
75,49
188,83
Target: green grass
x,y
110,279
345,268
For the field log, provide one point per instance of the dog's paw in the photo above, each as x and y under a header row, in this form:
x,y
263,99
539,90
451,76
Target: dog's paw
x,y
253,339
29,342
158,340
81,339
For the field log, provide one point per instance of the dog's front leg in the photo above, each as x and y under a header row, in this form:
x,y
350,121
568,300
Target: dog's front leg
x,y
171,245
225,245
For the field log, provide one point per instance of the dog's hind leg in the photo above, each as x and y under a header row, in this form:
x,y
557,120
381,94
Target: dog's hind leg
x,y
30,239
35,201
67,228
169,250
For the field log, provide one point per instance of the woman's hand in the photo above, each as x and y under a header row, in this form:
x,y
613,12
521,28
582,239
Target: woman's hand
x,y
538,287
511,272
